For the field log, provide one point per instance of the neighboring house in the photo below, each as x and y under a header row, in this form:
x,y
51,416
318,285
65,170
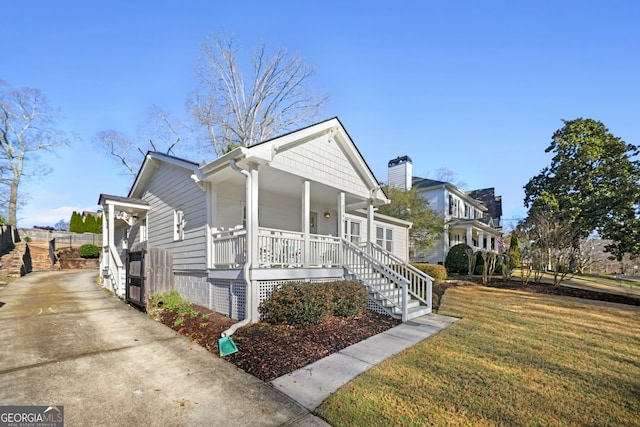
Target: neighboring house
x,y
299,207
469,217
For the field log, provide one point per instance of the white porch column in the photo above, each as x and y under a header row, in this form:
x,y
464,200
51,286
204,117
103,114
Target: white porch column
x,y
481,240
469,236
112,219
341,209
252,212
447,244
371,225
252,237
306,221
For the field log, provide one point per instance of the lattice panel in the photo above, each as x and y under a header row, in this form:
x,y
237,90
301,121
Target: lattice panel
x,y
219,297
373,306
239,299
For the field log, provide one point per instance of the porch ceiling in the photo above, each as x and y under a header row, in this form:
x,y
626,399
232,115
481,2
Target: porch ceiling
x,y
282,183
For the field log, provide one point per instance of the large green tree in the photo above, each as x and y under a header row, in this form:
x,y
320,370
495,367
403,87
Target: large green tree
x,y
412,206
592,183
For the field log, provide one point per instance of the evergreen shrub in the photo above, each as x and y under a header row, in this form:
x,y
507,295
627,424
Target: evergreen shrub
x,y
89,251
349,297
302,305
457,261
437,272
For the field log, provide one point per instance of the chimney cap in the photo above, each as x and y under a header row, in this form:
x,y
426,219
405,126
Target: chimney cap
x,y
399,160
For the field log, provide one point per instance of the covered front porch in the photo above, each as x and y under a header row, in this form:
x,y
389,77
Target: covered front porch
x,y
395,286
478,235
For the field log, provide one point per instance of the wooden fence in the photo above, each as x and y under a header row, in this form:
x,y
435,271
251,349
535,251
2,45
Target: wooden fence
x,y
158,266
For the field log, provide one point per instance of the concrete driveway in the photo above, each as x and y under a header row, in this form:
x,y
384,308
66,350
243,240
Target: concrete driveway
x,y
66,342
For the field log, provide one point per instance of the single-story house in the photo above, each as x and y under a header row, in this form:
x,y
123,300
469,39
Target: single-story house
x,y
299,207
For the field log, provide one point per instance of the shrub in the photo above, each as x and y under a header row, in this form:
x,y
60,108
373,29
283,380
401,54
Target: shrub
x,y
89,251
297,304
172,301
306,304
457,260
437,272
349,298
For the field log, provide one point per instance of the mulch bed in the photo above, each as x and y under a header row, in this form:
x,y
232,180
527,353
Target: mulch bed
x,y
270,351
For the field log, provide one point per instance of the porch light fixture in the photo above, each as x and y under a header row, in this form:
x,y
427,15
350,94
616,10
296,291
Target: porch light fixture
x,y
327,215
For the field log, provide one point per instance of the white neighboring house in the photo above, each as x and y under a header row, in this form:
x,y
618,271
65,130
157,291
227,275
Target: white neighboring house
x,y
469,217
299,207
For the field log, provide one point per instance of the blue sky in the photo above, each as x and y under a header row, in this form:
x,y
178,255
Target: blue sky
x,y
477,87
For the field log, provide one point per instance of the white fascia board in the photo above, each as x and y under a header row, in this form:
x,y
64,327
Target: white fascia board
x,y
124,205
464,196
383,218
151,161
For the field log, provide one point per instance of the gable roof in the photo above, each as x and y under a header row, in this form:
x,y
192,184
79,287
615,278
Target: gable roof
x,y
430,184
151,160
272,151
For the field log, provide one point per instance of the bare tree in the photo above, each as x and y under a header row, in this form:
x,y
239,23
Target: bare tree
x,y
28,127
552,245
234,111
161,133
447,175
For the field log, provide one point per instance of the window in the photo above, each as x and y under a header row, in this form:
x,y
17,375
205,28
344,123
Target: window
x,y
453,206
384,238
352,231
143,230
178,224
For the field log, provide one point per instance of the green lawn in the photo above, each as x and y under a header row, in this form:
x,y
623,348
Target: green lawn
x,y
514,359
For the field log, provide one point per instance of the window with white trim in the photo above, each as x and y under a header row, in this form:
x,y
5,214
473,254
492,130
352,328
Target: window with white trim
x,y
178,224
384,238
352,231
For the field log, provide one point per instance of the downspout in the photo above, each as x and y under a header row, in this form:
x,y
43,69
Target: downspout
x,y
247,264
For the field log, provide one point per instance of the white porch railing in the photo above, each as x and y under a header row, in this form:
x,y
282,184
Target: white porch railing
x,y
276,248
114,270
229,248
420,284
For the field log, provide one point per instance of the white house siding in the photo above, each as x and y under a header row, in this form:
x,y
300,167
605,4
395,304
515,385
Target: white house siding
x,y
169,189
322,161
279,211
436,255
399,243
230,202
436,200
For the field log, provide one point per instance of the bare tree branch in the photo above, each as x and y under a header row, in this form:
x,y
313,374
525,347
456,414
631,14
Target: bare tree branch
x,y
28,126
279,97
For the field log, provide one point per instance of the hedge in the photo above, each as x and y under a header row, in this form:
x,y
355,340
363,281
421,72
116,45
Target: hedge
x,y
437,272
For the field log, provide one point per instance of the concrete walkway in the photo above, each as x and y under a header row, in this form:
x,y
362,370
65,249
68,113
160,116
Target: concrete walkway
x,y
66,342
312,384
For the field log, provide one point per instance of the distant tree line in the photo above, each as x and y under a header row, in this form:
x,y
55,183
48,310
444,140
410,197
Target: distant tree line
x,y
88,224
